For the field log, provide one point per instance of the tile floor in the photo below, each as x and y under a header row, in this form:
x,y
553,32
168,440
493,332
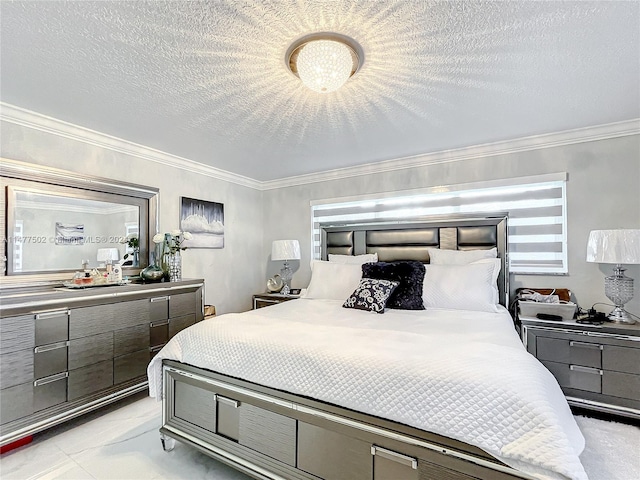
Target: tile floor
x,y
121,442
113,443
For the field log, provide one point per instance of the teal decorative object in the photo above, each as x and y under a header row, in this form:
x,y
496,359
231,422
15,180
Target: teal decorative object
x,y
153,273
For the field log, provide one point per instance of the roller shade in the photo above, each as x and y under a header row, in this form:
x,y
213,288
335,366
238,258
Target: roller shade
x,y
536,208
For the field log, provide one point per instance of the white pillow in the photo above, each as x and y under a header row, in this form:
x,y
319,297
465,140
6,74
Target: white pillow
x,y
334,281
459,257
497,266
355,259
460,287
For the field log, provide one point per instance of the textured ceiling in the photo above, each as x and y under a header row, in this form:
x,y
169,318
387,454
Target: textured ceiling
x,y
206,80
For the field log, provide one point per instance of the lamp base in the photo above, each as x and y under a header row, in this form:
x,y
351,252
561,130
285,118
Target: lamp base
x,y
286,273
619,289
618,315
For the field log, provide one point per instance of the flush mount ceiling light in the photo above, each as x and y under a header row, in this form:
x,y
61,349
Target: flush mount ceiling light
x,y
324,61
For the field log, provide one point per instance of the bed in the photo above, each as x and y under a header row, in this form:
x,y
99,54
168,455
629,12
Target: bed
x,y
308,389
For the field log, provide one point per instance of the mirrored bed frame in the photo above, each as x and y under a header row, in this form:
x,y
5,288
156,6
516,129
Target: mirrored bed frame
x,y
272,434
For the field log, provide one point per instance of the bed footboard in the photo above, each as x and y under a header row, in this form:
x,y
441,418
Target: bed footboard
x,y
270,434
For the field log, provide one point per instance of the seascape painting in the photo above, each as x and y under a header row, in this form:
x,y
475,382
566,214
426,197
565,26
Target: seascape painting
x,y
204,220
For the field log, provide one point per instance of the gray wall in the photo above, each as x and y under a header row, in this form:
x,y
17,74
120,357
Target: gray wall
x,y
602,193
231,274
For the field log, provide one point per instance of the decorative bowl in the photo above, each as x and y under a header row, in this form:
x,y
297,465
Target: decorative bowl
x,y
275,284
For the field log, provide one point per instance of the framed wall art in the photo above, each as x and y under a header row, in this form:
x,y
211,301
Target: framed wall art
x,y
69,234
204,220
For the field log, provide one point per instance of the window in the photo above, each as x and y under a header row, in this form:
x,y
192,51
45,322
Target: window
x,y
536,207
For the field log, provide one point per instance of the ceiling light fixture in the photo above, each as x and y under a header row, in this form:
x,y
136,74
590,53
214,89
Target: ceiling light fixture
x,y
324,61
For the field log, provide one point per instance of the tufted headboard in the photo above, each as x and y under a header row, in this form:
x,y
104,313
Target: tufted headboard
x,y
409,240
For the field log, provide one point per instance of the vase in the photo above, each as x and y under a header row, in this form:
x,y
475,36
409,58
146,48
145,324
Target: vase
x,y
136,259
154,272
165,254
175,267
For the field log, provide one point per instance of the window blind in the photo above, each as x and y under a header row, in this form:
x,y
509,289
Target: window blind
x,y
536,207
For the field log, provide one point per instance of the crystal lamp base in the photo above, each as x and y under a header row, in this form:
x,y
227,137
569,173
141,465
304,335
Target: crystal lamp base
x,y
619,289
286,273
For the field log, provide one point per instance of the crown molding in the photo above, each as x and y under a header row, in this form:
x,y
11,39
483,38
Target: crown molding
x,y
26,118
19,116
535,142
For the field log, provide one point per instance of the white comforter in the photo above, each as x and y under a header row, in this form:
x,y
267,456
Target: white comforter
x,y
461,374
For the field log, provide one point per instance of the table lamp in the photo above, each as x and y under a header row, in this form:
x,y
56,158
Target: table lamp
x,y
285,250
617,247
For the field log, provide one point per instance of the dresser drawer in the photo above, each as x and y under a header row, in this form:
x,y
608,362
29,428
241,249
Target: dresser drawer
x,y
180,323
130,366
133,312
52,327
87,380
132,339
16,368
159,308
89,350
621,359
182,304
623,385
50,359
158,333
16,333
587,354
87,321
16,402
576,376
50,391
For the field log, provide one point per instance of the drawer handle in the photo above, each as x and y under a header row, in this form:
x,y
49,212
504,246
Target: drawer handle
x,y
578,368
156,349
57,313
52,346
159,324
160,299
596,346
227,401
51,379
395,456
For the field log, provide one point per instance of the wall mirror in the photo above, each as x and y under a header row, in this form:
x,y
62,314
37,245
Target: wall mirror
x,y
56,219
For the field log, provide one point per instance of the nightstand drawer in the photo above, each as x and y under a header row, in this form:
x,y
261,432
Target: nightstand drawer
x,y
623,385
576,376
263,302
621,359
571,352
266,299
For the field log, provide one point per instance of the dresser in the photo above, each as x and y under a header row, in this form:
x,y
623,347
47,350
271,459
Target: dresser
x,y
597,366
65,352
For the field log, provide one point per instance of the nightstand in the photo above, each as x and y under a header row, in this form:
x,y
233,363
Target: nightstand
x,y
597,366
265,299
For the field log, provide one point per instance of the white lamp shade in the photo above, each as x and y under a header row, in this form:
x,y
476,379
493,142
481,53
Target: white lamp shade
x,y
285,250
105,254
620,246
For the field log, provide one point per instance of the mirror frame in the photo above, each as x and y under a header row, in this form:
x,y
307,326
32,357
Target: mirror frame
x,y
84,186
